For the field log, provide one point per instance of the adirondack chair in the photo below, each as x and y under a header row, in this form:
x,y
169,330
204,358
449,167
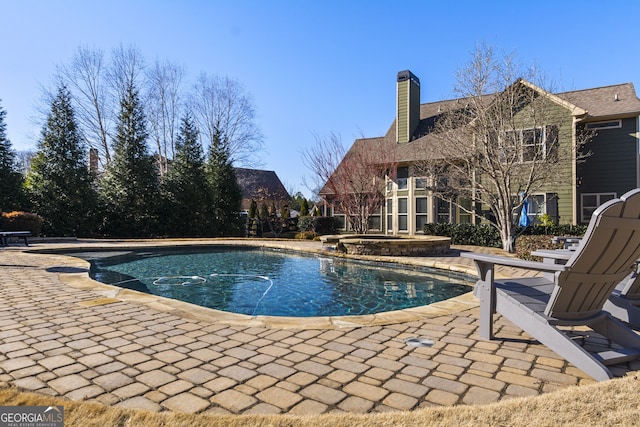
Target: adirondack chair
x,y
574,294
624,302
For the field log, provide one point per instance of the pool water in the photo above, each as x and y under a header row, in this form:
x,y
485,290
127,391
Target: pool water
x,y
258,281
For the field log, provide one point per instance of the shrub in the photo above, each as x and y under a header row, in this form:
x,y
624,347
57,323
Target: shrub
x,y
546,220
554,230
540,237
305,223
305,235
529,238
21,221
466,234
528,243
317,224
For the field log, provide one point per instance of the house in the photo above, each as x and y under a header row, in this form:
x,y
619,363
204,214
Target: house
x,y
611,114
262,186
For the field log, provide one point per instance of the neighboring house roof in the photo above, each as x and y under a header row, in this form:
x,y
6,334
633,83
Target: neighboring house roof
x,y
369,146
260,184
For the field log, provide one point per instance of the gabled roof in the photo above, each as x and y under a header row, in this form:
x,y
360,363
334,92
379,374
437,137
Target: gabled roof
x,y
424,145
606,102
586,105
253,181
575,110
603,103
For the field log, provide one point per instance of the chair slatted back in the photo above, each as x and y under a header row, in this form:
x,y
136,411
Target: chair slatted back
x,y
605,256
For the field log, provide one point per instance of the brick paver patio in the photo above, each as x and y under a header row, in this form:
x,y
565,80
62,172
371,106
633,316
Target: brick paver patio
x,y
61,335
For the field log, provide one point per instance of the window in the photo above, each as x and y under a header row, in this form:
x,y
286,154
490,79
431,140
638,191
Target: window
x,y
612,124
402,177
536,206
532,145
443,212
421,213
421,183
402,214
389,215
375,221
464,212
591,201
526,145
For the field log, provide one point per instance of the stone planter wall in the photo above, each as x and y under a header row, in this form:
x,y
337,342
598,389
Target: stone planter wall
x,y
391,245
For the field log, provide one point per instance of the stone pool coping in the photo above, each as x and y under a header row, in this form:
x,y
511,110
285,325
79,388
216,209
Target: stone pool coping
x,y
75,274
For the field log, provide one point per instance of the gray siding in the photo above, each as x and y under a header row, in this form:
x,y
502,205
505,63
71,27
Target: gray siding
x,y
612,165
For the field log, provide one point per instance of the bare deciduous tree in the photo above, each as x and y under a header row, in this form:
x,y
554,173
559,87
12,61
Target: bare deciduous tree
x,y
275,205
504,139
86,79
221,106
352,181
97,87
224,111
164,108
126,71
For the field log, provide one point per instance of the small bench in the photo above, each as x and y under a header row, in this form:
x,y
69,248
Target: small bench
x,y
6,235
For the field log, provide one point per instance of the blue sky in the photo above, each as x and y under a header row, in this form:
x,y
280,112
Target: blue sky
x,y
315,67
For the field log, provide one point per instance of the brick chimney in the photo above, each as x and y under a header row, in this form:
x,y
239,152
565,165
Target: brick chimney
x,y
93,160
408,106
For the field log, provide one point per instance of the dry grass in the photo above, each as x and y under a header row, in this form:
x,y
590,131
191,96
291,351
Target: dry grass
x,y
613,402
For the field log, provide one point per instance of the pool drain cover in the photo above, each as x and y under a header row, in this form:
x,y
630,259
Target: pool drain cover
x,y
419,342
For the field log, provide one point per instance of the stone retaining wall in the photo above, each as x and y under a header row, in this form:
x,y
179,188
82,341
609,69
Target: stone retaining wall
x,y
390,245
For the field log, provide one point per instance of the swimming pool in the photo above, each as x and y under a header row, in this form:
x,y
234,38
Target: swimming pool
x,y
260,281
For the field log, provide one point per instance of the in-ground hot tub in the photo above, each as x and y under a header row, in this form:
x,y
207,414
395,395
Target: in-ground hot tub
x,y
377,244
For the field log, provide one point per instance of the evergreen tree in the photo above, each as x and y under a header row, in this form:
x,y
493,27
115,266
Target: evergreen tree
x,y
264,211
130,185
226,196
185,187
253,220
285,212
304,208
253,209
59,182
11,193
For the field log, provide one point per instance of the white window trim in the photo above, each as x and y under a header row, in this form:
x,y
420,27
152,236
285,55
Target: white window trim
x,y
521,143
403,214
533,216
604,125
417,214
342,218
